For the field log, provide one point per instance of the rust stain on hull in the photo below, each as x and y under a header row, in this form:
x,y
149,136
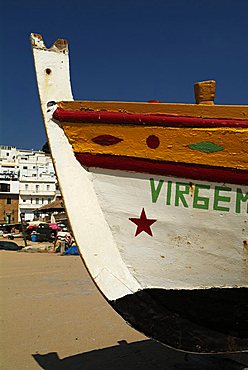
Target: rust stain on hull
x,y
245,245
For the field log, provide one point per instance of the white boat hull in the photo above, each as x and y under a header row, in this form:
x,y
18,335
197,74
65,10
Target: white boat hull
x,y
190,247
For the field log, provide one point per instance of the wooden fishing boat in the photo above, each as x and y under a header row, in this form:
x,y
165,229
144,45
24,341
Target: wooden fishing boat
x,y
157,196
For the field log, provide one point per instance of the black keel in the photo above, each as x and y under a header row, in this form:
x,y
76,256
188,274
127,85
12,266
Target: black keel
x,y
199,321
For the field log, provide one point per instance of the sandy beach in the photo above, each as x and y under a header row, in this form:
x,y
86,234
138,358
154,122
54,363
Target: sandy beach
x,y
53,317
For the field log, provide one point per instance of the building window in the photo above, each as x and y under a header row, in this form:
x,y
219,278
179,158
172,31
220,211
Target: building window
x,y
48,187
25,167
24,200
34,167
5,187
49,200
26,186
42,200
31,200
37,187
8,201
37,200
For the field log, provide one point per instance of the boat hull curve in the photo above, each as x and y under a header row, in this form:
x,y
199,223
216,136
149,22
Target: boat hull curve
x,y
155,243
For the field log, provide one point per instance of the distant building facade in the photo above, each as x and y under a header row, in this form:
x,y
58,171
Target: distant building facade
x,y
9,185
9,201
27,177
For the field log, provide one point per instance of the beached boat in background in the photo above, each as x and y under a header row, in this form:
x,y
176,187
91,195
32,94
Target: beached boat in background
x,y
156,195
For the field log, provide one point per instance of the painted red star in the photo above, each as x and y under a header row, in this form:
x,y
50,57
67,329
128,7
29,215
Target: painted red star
x,y
143,223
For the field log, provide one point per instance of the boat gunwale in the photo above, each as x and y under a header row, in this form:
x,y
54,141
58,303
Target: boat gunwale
x,y
145,119
237,112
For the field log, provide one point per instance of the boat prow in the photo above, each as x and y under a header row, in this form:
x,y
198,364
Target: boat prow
x,y
157,196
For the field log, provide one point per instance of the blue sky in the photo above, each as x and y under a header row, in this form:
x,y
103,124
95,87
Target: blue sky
x,y
130,50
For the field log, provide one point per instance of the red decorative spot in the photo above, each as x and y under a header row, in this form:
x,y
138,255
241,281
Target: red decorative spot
x,y
143,223
152,141
153,101
106,140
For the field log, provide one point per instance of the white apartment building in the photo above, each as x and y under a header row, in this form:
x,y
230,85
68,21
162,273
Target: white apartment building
x,y
9,169
36,175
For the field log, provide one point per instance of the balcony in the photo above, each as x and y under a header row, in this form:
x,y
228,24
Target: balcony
x,y
40,193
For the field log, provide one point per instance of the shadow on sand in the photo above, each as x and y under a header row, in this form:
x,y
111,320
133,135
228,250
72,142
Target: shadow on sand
x,y
141,355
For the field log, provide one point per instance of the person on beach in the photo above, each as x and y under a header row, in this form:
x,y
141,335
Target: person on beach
x,y
62,236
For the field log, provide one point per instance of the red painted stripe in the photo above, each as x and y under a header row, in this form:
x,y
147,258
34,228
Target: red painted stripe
x,y
196,172
148,119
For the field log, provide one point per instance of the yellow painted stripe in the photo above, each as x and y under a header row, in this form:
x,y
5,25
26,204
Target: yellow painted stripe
x,y
187,110
173,143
